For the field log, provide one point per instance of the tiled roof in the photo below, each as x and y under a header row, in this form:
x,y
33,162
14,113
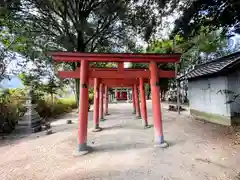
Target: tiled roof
x,y
212,67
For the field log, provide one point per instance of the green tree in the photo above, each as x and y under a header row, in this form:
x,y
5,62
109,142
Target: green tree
x,y
212,13
89,25
8,8
52,87
8,45
201,48
164,47
198,49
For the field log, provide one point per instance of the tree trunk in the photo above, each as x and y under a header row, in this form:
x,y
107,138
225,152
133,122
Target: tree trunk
x,y
52,99
149,93
80,48
77,91
52,107
162,95
73,87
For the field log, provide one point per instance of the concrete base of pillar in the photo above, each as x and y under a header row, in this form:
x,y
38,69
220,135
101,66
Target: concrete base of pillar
x,y
97,129
69,122
148,126
138,117
83,149
106,114
162,145
102,119
160,142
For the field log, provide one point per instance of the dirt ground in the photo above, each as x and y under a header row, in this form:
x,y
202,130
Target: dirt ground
x,y
124,150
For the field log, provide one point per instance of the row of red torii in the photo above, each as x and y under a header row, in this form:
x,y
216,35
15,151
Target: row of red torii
x,y
104,78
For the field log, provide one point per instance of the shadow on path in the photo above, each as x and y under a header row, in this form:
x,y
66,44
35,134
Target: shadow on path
x,y
119,147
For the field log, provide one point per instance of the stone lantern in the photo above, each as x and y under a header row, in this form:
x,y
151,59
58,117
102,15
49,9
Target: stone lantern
x,y
31,119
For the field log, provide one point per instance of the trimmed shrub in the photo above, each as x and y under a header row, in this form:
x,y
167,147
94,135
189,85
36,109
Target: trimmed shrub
x,y
46,108
90,98
11,108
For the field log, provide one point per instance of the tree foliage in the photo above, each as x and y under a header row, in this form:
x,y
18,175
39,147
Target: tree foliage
x,y
7,10
163,47
216,14
113,26
9,45
86,25
202,47
91,24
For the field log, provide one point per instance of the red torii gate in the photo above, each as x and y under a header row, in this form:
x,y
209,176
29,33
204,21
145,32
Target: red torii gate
x,y
85,73
114,74
118,83
113,83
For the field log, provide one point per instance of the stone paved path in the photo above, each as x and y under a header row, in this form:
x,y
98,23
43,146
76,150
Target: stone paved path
x,y
124,150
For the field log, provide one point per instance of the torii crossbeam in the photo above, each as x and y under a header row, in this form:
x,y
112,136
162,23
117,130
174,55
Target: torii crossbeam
x,y
104,73
87,74
115,57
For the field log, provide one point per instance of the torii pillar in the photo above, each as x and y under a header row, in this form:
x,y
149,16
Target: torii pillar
x,y
138,115
101,89
84,58
156,106
83,110
96,127
106,101
133,100
115,95
143,103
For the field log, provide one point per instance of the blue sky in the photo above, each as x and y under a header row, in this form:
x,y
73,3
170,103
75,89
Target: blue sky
x,y
11,82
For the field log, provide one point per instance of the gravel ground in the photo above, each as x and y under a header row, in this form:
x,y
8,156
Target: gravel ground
x,y
124,150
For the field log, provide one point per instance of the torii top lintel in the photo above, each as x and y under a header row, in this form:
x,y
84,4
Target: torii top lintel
x,y
115,57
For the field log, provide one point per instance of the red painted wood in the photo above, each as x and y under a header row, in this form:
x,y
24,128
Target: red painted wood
x,y
122,86
137,100
115,74
120,67
106,100
118,75
143,102
118,81
118,95
101,101
96,104
124,95
86,75
83,107
111,59
114,57
133,100
121,95
156,104
115,83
